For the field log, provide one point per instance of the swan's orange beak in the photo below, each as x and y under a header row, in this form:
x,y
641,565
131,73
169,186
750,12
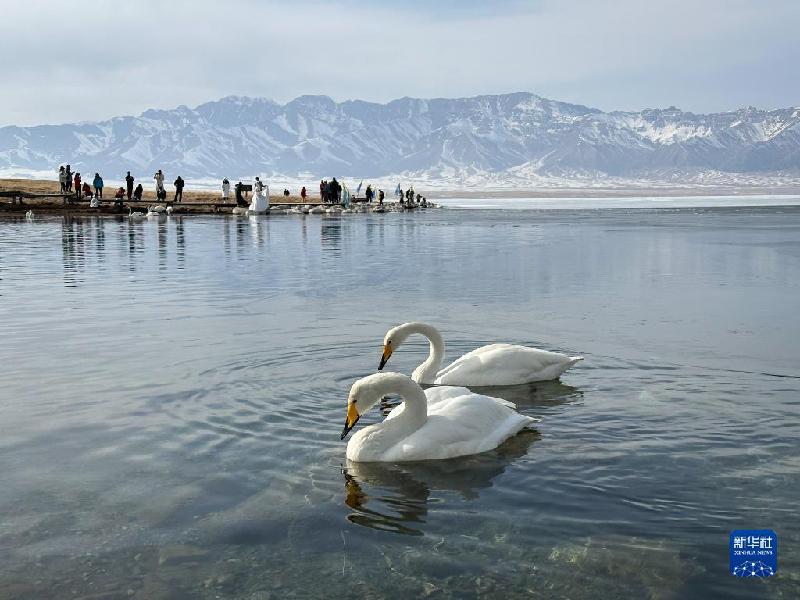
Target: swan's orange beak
x,y
387,352
352,418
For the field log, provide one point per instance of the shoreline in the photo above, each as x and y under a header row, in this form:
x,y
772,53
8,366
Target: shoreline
x,y
45,196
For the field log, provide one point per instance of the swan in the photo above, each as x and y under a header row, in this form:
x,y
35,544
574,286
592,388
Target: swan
x,y
429,425
29,214
169,210
495,364
317,210
239,210
135,216
158,208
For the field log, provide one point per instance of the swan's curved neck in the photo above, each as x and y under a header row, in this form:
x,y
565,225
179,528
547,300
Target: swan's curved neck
x,y
426,372
415,411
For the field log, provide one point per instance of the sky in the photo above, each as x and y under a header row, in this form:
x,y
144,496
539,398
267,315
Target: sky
x,y
88,60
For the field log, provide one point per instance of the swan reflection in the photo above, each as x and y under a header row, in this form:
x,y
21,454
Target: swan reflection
x,y
536,394
395,496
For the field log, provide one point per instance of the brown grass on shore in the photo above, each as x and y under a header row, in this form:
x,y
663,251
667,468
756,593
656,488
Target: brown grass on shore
x,y
36,186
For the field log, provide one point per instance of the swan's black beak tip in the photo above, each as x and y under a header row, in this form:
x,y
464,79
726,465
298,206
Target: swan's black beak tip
x,y
351,420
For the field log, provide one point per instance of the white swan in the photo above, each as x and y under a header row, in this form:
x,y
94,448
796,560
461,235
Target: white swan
x,y
492,365
435,424
169,210
240,211
158,208
135,216
29,214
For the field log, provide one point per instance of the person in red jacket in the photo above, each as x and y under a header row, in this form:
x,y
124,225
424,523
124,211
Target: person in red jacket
x,y
77,182
87,191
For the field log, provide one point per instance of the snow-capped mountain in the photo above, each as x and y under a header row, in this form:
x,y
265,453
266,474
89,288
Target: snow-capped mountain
x,y
519,137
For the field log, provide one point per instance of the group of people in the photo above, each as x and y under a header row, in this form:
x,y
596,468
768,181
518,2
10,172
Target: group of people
x,y
161,192
260,192
370,195
72,183
330,192
94,192
408,196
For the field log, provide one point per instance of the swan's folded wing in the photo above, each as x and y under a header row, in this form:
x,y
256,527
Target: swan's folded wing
x,y
461,425
503,364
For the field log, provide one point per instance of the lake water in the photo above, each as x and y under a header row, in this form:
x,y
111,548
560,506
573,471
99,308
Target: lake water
x,y
173,391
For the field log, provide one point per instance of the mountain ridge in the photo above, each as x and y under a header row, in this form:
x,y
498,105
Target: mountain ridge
x,y
519,135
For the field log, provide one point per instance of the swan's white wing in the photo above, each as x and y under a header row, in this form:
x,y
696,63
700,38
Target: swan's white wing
x,y
504,364
459,425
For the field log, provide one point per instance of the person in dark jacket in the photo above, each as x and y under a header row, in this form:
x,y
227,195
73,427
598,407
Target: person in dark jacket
x,y
129,183
179,189
239,197
381,196
137,193
68,172
98,185
303,193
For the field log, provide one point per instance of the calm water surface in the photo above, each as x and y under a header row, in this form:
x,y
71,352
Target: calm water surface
x,y
172,394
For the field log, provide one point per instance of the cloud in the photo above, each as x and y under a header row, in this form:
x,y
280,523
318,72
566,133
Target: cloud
x,y
92,59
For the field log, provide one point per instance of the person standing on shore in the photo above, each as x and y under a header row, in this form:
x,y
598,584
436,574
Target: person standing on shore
x,y
62,179
322,190
226,189
380,197
129,183
77,182
303,193
237,190
159,177
68,173
178,189
98,185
